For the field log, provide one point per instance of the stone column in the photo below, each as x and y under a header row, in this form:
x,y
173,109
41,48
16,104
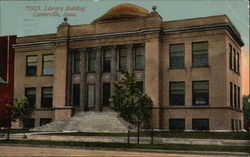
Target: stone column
x,y
83,79
113,70
130,58
98,84
69,78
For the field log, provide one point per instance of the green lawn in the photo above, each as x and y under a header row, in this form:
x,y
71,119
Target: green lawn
x,y
196,135
134,146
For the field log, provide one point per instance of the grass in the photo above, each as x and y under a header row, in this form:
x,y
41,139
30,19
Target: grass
x,y
134,146
14,131
195,135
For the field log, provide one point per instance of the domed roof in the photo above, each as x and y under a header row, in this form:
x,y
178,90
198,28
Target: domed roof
x,y
123,11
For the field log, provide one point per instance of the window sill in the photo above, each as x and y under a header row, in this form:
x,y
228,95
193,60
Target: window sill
x,y
43,108
47,75
201,66
177,68
31,75
200,105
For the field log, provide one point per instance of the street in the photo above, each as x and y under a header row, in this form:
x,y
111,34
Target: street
x,y
48,151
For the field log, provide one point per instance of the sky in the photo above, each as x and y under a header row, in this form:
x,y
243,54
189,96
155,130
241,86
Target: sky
x,y
23,18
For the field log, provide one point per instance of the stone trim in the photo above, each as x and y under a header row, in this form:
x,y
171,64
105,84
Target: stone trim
x,y
228,27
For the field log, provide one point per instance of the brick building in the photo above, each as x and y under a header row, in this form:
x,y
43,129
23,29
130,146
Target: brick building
x,y
190,68
6,74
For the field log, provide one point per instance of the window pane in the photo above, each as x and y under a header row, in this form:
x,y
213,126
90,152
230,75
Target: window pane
x,y
177,93
123,58
44,121
176,124
238,98
76,94
200,93
139,85
200,124
29,122
91,61
139,59
176,55
234,60
231,94
235,96
48,64
107,60
31,65
200,54
77,62
32,59
91,95
30,94
106,94
47,97
230,57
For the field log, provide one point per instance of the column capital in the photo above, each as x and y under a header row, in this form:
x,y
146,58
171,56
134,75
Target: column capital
x,y
130,46
98,49
82,50
113,47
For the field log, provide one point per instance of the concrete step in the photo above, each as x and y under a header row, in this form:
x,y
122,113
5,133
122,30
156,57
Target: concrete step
x,y
91,121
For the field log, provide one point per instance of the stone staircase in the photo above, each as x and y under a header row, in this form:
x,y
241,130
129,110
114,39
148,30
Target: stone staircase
x,y
92,121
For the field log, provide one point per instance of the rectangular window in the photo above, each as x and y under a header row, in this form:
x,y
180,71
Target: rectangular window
x,y
30,94
200,124
91,61
176,124
31,65
231,94
106,94
237,125
200,54
44,121
177,93
139,58
48,64
91,95
234,60
139,85
122,58
240,125
232,124
235,96
177,55
107,60
28,122
47,97
76,62
239,98
238,63
76,94
230,56
200,93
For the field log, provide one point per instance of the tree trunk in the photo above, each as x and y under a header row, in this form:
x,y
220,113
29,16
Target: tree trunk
x,y
8,132
138,132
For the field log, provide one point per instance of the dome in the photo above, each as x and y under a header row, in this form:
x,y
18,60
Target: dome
x,y
123,11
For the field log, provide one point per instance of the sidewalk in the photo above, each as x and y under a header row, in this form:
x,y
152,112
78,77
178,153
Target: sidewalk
x,y
120,139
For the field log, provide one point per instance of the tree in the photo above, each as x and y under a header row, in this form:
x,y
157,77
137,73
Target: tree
x,y
246,111
131,103
20,110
